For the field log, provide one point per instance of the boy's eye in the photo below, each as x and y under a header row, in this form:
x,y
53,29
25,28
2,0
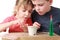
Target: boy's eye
x,y
24,10
40,4
30,11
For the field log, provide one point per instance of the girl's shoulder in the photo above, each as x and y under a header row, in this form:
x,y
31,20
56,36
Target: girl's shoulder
x,y
8,19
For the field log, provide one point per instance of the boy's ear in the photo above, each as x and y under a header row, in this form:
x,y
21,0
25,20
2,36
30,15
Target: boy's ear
x,y
50,1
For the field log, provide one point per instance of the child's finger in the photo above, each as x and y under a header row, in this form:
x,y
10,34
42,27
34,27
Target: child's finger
x,y
37,24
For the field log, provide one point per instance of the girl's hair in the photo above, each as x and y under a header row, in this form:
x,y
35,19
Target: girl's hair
x,y
25,3
16,2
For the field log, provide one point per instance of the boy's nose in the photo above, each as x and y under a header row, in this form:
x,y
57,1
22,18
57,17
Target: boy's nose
x,y
37,8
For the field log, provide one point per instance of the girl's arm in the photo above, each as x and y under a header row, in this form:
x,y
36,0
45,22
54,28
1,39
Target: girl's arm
x,y
3,26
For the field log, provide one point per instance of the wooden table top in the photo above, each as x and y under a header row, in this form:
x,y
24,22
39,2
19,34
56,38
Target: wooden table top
x,y
25,36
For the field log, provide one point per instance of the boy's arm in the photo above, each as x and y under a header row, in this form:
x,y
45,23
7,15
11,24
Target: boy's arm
x,y
59,26
36,24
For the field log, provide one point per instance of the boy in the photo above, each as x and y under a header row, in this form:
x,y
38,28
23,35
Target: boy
x,y
42,12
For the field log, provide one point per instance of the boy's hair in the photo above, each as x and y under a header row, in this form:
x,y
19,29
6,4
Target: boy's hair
x,y
25,3
46,0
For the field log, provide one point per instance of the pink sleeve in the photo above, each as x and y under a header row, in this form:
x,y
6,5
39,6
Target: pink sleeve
x,y
8,19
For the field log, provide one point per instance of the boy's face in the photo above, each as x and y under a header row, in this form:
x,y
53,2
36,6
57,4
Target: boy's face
x,y
41,6
25,12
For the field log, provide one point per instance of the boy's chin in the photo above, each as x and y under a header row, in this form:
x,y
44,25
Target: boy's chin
x,y
41,14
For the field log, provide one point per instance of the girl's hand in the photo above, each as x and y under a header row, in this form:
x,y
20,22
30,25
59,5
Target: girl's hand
x,y
16,21
36,24
24,27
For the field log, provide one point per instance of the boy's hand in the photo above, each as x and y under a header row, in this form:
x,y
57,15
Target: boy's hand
x,y
59,26
36,24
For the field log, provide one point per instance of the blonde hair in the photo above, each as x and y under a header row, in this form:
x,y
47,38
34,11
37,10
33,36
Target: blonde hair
x,y
24,3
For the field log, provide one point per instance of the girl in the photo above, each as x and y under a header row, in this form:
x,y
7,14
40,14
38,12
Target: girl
x,y
21,18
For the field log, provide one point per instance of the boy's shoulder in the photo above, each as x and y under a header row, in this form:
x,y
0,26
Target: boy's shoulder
x,y
55,9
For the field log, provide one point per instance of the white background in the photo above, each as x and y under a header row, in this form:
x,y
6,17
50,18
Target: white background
x,y
7,6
